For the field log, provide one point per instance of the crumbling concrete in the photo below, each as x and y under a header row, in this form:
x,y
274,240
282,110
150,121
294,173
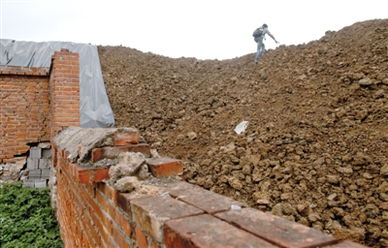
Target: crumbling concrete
x,y
79,142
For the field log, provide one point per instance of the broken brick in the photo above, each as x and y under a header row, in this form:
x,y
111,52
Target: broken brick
x,y
150,213
92,175
275,229
163,167
207,231
201,198
126,138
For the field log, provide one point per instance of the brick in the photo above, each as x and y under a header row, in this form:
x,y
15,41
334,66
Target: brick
x,y
113,152
32,163
29,183
206,200
141,147
163,167
150,213
123,202
207,231
36,152
130,136
346,244
36,173
275,229
108,191
40,183
92,175
45,173
44,163
141,239
97,154
124,223
46,153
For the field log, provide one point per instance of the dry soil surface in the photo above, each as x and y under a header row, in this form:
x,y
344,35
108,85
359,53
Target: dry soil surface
x,y
315,149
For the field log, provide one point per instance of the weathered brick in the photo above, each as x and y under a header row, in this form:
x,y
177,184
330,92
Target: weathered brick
x,y
163,167
44,163
346,244
35,173
123,201
40,183
45,173
36,152
207,231
141,239
32,163
150,213
275,229
206,200
123,222
29,183
127,137
141,147
46,153
92,175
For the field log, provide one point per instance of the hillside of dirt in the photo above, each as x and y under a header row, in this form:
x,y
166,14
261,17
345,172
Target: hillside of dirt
x,y
315,149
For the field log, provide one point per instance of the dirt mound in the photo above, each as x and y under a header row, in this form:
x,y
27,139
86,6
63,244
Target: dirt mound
x,y
315,149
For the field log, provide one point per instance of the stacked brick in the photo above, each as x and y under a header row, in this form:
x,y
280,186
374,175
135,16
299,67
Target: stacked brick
x,y
64,91
171,213
24,109
38,166
37,102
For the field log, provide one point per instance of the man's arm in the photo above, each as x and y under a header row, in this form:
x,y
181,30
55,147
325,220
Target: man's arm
x,y
270,35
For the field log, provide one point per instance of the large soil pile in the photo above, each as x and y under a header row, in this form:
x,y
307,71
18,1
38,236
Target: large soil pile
x,y
315,149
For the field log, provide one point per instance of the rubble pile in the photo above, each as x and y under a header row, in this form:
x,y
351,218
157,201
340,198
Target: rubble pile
x,y
315,148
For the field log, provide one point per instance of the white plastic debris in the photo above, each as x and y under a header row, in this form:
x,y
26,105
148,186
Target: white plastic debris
x,y
235,207
241,127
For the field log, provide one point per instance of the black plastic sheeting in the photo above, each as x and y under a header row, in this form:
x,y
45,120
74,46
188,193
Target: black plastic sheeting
x,y
95,109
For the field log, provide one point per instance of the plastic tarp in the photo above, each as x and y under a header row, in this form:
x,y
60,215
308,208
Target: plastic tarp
x,y
95,109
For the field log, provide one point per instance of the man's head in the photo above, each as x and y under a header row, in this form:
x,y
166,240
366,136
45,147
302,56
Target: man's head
x,y
265,25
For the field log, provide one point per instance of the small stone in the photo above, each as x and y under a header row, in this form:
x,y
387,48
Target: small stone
x,y
384,170
313,217
285,196
333,179
367,175
331,197
345,170
126,184
247,170
235,183
144,172
263,202
228,148
277,209
191,135
365,82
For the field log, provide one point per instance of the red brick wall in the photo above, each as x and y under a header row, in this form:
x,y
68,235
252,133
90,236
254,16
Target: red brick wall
x,y
26,114
174,214
24,109
64,91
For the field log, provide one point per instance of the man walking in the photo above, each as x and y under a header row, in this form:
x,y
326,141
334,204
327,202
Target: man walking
x,y
259,35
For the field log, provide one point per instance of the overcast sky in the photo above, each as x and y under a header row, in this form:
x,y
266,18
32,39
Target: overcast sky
x,y
205,29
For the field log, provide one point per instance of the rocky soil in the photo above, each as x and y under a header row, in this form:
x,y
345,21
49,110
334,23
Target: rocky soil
x,y
315,149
